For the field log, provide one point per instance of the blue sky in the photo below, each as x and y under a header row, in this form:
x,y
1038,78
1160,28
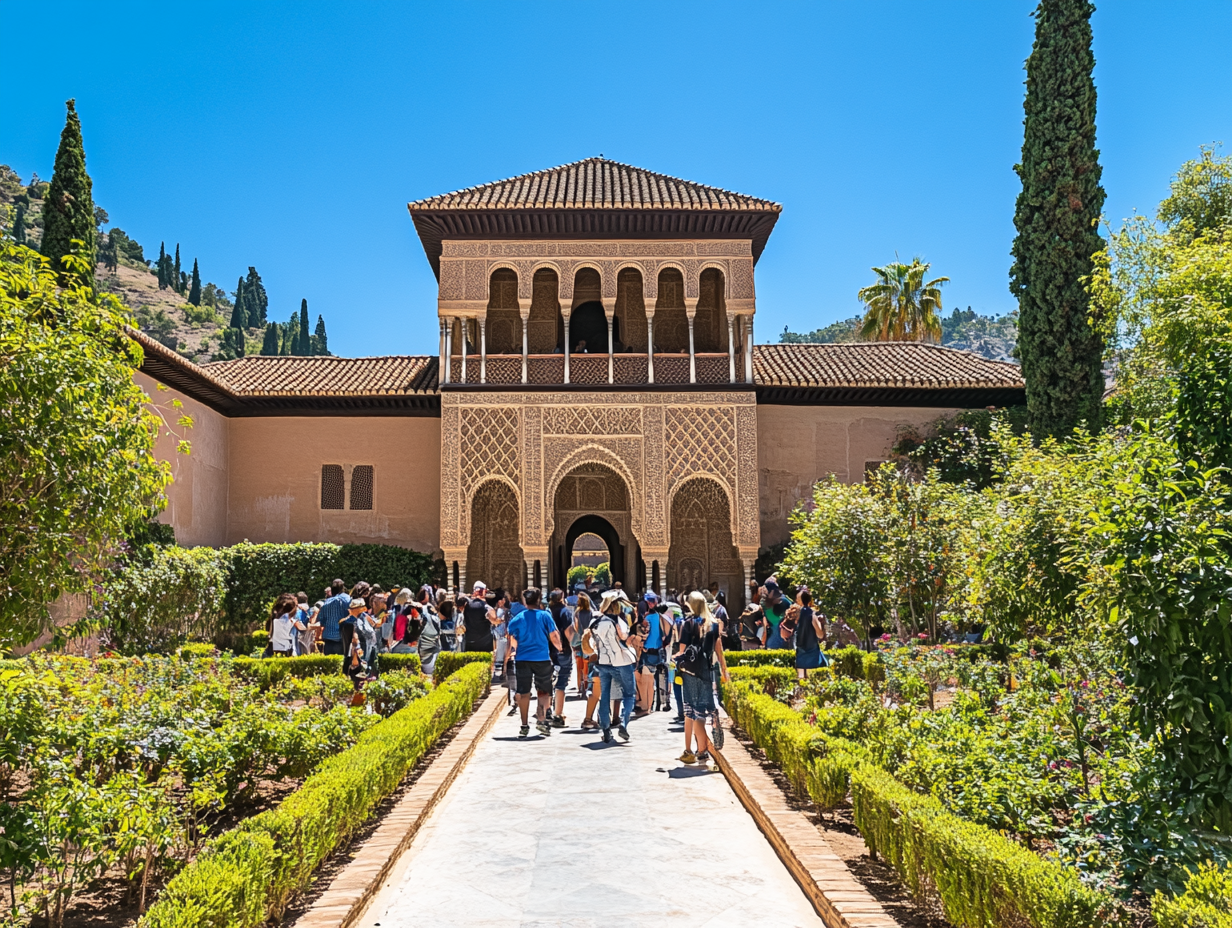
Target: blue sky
x,y
290,136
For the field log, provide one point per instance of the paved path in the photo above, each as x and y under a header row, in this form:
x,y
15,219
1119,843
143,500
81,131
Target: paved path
x,y
567,831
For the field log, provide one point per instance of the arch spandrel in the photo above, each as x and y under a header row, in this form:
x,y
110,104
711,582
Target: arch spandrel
x,y
564,456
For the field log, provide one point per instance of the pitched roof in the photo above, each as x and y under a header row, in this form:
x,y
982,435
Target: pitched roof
x,y
594,183
392,375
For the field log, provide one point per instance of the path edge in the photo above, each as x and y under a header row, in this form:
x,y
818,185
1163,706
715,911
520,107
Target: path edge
x,y
352,891
837,897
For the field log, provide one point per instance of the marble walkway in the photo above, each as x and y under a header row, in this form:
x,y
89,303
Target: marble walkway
x,y
568,831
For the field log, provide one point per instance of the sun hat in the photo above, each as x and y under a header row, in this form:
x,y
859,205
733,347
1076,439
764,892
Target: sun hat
x,y
612,596
404,596
358,603
479,585
651,596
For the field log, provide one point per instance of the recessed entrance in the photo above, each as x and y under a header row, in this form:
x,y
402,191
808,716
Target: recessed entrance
x,y
592,499
588,324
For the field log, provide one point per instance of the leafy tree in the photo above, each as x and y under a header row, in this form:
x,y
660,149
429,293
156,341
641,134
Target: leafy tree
x,y
239,314
320,342
303,341
100,219
76,438
1056,217
68,212
1201,199
902,305
258,301
194,292
127,248
231,345
270,345
19,224
177,273
845,330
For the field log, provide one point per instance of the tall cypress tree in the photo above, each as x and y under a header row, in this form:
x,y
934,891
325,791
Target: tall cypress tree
x,y
303,342
176,286
162,265
239,315
19,224
258,301
194,291
68,210
270,345
320,344
1057,217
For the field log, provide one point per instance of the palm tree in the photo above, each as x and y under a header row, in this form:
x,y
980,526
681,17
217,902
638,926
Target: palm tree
x,y
902,305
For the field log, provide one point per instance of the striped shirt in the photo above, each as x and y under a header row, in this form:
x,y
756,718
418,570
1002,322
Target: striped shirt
x,y
333,611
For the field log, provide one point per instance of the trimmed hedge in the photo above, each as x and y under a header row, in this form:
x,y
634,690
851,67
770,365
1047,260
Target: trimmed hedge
x,y
1206,902
247,875
449,662
408,662
858,664
981,878
769,678
760,658
270,670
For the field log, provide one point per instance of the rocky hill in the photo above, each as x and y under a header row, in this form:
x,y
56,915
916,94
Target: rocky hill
x,y
992,337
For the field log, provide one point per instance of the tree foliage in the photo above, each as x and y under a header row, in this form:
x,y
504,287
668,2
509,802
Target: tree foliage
x,y
76,438
1056,217
902,305
68,210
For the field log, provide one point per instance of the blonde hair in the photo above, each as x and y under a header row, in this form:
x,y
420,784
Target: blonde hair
x,y
700,608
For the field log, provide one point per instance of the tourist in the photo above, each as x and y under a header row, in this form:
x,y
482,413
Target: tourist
x,y
478,620
531,635
675,618
809,636
729,630
332,612
430,632
752,627
306,627
643,676
403,633
361,663
699,648
582,617
282,626
500,633
616,660
562,657
653,665
775,609
446,610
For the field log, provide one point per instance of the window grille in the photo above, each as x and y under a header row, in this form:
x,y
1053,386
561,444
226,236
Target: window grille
x,y
361,487
331,486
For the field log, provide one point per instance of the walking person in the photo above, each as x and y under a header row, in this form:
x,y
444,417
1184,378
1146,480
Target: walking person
x,y
562,657
478,620
582,617
774,606
615,659
306,627
500,633
282,626
333,611
429,633
699,649
810,633
532,633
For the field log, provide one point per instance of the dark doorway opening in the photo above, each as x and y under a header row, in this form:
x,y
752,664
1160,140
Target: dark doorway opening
x,y
595,525
588,323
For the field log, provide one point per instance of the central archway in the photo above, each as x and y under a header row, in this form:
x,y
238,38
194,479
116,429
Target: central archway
x,y
593,498
595,525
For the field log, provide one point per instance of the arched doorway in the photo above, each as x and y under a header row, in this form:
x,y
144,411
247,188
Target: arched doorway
x,y
593,498
588,324
702,550
495,553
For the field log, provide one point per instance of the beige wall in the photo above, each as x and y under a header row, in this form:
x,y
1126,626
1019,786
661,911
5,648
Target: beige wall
x,y
275,485
197,496
799,445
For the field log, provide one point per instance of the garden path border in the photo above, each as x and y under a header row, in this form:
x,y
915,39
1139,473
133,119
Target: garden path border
x,y
839,899
350,892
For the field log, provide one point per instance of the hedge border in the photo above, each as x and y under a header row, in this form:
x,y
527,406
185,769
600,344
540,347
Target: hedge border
x,y
248,875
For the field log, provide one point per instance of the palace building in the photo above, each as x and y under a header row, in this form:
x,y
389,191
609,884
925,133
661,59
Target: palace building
x,y
597,374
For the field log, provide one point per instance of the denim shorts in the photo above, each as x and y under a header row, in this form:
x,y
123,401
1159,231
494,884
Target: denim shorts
x,y
564,669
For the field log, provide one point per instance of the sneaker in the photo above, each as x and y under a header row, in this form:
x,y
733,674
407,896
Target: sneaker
x,y
679,718
623,732
558,721
524,731
544,728
640,713
704,758
607,736
589,724
689,757
512,711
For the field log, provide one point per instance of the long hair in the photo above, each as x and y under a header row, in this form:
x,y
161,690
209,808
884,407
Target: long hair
x,y
701,609
584,603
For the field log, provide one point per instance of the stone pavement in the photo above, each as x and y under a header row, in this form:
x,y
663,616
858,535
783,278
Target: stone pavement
x,y
567,831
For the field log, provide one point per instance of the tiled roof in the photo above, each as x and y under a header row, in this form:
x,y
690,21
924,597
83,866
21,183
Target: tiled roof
x,y
899,365
393,375
594,183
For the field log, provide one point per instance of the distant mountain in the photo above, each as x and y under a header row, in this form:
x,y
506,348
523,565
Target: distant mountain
x,y
992,337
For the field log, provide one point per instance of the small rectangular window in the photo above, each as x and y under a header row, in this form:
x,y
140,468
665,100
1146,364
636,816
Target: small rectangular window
x,y
331,486
361,487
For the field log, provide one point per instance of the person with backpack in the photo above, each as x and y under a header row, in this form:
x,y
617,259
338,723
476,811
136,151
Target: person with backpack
x,y
699,648
562,617
582,617
478,620
615,660
430,631
811,632
532,634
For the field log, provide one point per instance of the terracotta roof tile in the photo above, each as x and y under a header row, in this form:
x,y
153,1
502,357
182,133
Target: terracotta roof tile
x,y
880,364
394,375
594,183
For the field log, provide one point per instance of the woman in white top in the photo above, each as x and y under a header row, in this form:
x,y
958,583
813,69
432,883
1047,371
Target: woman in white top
x,y
282,626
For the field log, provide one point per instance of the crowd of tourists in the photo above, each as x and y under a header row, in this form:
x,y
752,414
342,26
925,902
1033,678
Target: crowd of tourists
x,y
625,659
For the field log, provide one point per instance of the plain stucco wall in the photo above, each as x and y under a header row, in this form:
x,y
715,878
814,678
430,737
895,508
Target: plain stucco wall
x,y
275,479
799,445
197,495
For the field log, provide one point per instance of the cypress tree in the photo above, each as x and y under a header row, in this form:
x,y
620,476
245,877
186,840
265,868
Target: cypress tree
x,y
258,302
176,278
162,265
303,343
290,332
270,345
320,344
19,225
194,292
239,315
1057,217
68,210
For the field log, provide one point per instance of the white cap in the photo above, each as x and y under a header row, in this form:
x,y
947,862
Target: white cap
x,y
480,586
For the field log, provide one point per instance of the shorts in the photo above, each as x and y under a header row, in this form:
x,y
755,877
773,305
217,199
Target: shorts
x,y
540,671
698,697
564,669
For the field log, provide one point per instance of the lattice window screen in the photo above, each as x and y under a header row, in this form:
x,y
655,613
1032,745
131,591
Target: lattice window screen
x,y
361,487
331,486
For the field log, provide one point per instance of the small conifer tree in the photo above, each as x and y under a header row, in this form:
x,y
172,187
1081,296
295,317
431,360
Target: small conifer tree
x,y
162,265
194,291
19,224
176,286
239,315
270,345
68,210
303,341
320,344
258,301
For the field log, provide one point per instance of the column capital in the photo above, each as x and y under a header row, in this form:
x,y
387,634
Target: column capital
x,y
524,309
609,307
690,306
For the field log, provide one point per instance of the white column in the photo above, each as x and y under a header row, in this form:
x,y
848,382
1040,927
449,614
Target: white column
x,y
649,573
650,349
692,356
483,350
566,347
445,374
748,350
465,338
731,349
525,344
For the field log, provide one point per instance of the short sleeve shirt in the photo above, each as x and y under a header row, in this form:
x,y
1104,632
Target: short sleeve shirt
x,y
531,628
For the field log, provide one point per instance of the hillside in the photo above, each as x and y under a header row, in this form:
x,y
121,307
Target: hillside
x,y
992,337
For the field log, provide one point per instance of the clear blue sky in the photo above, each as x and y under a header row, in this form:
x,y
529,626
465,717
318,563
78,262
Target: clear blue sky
x,y
290,136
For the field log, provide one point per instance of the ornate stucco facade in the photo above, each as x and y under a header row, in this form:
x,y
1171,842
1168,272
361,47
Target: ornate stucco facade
x,y
596,374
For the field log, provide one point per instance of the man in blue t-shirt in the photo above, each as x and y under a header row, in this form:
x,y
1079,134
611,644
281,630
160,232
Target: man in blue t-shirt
x,y
530,632
335,610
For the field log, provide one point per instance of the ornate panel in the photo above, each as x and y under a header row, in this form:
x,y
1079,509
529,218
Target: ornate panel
x,y
453,275
451,476
592,420
702,550
453,248
476,280
562,456
533,530
652,474
748,521
725,247
495,553
489,445
740,279
701,440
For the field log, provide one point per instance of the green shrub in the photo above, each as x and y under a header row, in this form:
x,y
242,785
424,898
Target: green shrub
x,y
408,662
759,658
874,668
1206,902
449,662
248,875
770,679
193,651
267,671
847,662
